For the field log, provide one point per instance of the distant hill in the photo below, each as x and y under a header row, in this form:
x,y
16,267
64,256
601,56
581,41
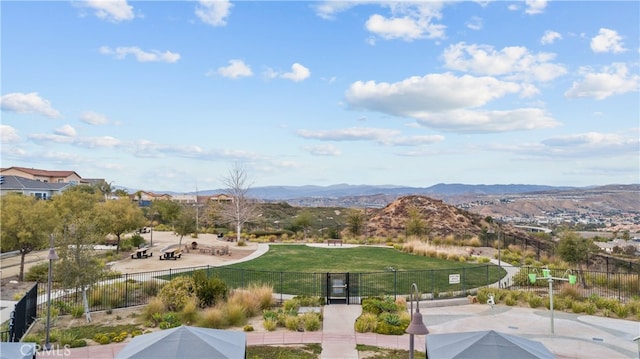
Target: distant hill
x,y
285,193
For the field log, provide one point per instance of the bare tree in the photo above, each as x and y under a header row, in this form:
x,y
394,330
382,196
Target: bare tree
x,y
242,208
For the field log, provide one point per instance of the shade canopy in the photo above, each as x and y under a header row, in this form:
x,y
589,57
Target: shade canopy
x,y
17,350
186,342
484,344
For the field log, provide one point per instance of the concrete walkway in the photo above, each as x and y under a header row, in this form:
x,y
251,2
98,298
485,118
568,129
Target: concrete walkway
x,y
576,336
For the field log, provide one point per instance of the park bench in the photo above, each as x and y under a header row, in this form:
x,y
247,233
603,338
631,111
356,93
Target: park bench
x,y
141,253
335,242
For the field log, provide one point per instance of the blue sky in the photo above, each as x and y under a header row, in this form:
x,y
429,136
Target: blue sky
x,y
167,96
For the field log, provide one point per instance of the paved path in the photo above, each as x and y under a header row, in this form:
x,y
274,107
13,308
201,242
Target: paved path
x,y
576,336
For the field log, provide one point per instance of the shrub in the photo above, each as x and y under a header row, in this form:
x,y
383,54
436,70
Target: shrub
x,y
235,313
367,322
189,312
155,306
311,321
590,308
213,318
621,310
170,320
77,311
388,329
209,291
101,338
177,292
390,318
245,299
292,322
38,273
534,301
270,324
248,328
136,240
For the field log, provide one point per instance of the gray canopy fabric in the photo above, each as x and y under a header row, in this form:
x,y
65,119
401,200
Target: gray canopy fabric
x,y
484,344
18,350
186,342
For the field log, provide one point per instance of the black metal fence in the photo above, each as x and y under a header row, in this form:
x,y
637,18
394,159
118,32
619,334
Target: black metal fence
x,y
620,286
134,289
23,315
138,288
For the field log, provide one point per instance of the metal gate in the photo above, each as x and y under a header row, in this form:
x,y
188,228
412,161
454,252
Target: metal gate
x,y
337,288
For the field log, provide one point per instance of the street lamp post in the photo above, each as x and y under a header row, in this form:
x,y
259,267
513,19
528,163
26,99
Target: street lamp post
x,y
416,326
51,257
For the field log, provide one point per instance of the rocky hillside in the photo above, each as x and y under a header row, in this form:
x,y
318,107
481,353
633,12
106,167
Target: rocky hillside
x,y
440,218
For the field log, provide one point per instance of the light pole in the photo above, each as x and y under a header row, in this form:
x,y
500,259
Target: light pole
x,y
416,326
51,257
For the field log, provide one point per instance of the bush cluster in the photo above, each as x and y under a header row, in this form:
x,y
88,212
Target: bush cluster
x,y
383,315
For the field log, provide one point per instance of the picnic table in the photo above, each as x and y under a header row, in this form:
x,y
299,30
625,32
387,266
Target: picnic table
x,y
172,252
335,242
141,253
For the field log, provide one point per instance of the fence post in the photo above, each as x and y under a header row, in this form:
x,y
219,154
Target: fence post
x,y
464,276
126,290
395,284
433,283
281,287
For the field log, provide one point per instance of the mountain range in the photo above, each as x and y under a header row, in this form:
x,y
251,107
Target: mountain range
x,y
283,193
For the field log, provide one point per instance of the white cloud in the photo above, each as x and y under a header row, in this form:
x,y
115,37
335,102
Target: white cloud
x,y
613,80
111,10
607,41
8,134
382,136
64,135
592,144
348,134
412,140
93,118
298,73
431,93
213,12
140,55
475,23
469,121
323,150
408,21
236,69
28,103
535,6
515,61
550,37
66,130
328,9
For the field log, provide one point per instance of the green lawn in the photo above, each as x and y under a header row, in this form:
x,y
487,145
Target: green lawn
x,y
373,271
305,259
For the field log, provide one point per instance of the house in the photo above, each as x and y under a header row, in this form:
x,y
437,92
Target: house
x,y
30,187
45,176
